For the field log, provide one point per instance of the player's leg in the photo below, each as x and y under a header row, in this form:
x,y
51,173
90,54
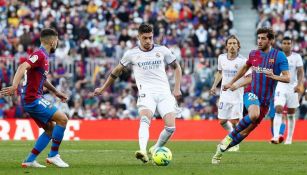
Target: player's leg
x,y
147,106
277,123
57,136
271,116
39,146
236,115
292,103
224,114
291,125
167,109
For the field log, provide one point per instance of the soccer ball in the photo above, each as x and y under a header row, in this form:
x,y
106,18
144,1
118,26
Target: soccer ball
x,y
162,156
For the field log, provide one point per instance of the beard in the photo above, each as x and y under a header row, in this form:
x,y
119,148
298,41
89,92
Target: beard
x,y
52,50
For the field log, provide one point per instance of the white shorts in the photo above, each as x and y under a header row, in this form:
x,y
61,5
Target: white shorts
x,y
289,98
230,111
164,103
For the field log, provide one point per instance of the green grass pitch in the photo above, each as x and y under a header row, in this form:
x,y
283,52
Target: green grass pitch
x,y
189,158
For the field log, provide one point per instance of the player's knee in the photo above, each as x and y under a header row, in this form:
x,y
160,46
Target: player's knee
x,y
62,120
222,122
291,111
145,119
170,129
278,109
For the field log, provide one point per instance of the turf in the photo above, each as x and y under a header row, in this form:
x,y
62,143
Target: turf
x,y
189,158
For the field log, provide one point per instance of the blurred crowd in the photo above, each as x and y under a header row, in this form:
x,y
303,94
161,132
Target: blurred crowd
x,y
94,34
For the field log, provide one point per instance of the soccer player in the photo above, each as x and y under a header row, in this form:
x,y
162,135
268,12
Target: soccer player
x,y
230,108
53,121
148,63
268,65
287,93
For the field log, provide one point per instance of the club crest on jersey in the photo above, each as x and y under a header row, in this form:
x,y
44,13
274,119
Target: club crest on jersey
x,y
271,61
236,66
158,55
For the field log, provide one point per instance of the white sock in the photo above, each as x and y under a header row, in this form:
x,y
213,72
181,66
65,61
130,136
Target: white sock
x,y
276,125
165,134
144,133
227,126
291,126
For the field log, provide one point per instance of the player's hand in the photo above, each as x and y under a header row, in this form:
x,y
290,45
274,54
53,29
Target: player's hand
x,y
177,94
97,91
269,74
299,89
226,87
61,96
233,87
8,91
213,91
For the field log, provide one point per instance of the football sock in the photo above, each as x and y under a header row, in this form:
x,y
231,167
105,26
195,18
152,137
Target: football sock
x,y
282,128
291,126
144,133
165,134
57,136
39,146
236,140
243,123
277,123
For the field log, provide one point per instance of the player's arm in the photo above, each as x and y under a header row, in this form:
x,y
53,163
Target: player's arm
x,y
17,78
247,80
284,77
217,79
300,80
110,80
178,74
240,74
52,89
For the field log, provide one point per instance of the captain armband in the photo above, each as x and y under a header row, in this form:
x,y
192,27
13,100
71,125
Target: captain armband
x,y
113,76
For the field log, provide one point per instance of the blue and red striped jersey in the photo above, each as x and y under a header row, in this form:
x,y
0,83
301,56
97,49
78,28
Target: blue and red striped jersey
x,y
260,62
35,76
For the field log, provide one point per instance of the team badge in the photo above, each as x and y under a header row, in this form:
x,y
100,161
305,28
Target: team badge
x,y
236,66
271,61
157,55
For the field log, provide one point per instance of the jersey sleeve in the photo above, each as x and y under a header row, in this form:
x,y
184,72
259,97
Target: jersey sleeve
x,y
126,59
283,61
219,64
168,55
299,62
35,60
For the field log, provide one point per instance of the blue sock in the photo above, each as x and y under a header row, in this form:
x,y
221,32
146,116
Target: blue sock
x,y
282,128
236,140
272,131
57,136
244,123
39,146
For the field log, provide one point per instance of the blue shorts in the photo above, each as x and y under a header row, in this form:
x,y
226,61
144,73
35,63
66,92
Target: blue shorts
x,y
271,113
40,110
250,99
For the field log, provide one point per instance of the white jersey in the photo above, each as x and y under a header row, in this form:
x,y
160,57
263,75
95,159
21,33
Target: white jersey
x,y
229,69
295,61
149,68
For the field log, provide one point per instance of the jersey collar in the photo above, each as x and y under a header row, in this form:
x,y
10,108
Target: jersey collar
x,y
44,50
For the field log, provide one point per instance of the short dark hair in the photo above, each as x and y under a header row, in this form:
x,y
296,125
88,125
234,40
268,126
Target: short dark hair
x,y
268,31
287,38
233,37
145,28
48,32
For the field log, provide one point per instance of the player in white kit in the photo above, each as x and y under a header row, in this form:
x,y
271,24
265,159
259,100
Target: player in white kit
x,y
230,107
288,93
148,64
